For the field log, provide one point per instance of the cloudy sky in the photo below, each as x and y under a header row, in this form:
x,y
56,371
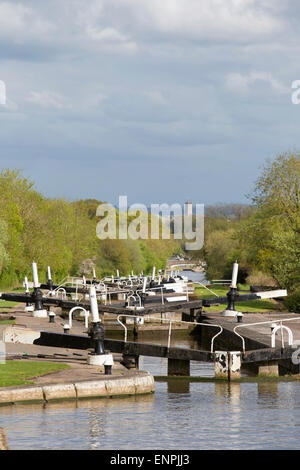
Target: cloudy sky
x,y
159,100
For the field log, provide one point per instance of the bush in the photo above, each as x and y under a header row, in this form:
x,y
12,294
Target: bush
x,y
257,278
243,286
292,302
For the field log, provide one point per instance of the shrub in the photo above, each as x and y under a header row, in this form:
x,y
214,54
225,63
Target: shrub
x,y
292,301
257,278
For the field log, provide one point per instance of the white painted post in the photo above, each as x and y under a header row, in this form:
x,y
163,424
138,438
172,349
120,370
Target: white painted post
x,y
230,310
234,363
144,284
94,305
221,364
228,364
35,275
41,313
29,307
234,275
153,273
49,273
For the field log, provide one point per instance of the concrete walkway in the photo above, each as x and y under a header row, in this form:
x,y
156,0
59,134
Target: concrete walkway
x,y
80,380
260,334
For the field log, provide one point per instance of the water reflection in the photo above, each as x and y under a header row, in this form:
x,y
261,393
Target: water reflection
x,y
267,391
178,386
229,391
199,415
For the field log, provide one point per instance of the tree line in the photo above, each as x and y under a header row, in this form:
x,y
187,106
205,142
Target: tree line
x,y
62,234
264,236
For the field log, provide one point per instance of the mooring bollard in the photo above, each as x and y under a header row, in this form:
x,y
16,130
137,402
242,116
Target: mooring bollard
x,y
66,329
51,317
109,362
97,334
239,317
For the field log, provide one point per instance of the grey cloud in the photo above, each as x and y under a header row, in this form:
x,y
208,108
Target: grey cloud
x,y
134,90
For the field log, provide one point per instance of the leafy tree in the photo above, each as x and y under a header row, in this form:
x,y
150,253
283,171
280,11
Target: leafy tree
x,y
271,237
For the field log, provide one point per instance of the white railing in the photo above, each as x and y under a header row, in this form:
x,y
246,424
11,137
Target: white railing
x,y
86,315
273,332
170,326
63,292
202,285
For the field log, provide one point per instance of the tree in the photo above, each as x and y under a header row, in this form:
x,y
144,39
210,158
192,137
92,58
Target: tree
x,y
271,237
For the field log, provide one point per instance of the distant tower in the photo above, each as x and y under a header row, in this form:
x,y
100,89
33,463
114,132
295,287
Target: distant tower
x,y
188,208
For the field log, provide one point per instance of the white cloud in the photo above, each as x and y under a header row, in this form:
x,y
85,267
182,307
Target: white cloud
x,y
111,39
242,83
17,19
48,99
124,26
199,20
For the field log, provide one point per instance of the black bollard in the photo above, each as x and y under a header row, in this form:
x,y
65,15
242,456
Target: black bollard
x,y
51,317
231,296
97,334
38,298
143,297
28,302
239,317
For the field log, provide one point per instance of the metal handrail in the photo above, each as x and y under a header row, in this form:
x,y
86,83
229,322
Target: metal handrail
x,y
260,323
86,315
170,327
198,282
61,289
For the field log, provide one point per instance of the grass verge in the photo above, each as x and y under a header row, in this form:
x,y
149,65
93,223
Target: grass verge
x,y
20,372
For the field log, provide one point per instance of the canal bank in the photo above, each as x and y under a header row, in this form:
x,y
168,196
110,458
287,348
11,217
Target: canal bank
x,y
263,415
80,380
70,385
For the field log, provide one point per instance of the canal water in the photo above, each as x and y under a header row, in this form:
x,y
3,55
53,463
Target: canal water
x,y
180,415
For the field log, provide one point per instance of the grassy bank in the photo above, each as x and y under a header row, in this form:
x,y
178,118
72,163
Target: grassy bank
x,y
22,373
4,305
246,306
